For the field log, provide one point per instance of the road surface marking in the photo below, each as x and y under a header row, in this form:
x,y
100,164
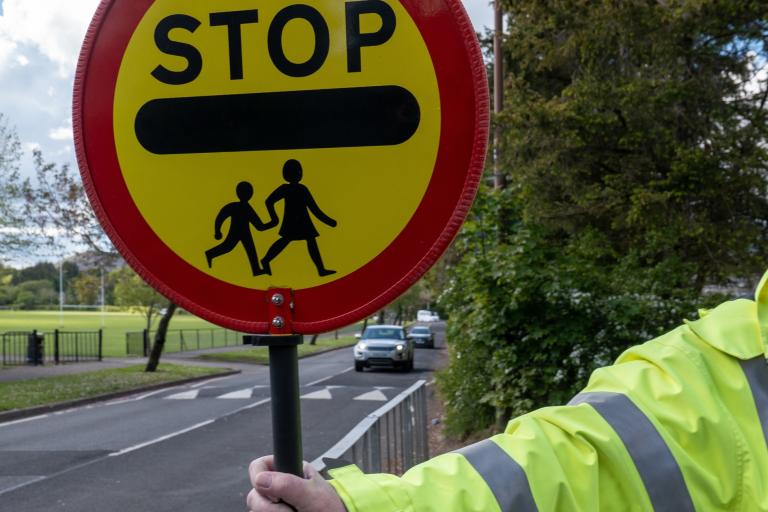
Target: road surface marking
x,y
323,394
185,395
160,439
24,420
375,396
318,381
240,393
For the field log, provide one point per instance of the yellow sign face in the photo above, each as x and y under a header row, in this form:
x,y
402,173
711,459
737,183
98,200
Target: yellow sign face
x,y
274,143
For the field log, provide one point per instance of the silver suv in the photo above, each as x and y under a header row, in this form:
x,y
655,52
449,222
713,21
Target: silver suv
x,y
384,346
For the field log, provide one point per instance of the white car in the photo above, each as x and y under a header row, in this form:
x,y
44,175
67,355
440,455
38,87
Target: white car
x,y
424,315
384,346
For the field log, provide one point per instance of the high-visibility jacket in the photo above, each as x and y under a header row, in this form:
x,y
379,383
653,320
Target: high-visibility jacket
x,y
679,423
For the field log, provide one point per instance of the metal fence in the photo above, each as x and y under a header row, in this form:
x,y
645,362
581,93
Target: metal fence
x,y
139,343
392,439
73,347
33,348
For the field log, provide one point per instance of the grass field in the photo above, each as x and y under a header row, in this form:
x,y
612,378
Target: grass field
x,y
115,325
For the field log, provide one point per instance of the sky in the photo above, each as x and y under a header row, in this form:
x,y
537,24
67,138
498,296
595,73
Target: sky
x,y
39,45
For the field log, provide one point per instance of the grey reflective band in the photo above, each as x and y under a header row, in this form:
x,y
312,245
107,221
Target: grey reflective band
x,y
503,474
756,371
653,459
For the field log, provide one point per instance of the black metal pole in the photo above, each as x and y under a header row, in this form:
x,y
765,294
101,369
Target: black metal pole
x,y
286,411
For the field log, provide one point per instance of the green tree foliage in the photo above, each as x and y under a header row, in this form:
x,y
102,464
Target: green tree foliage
x,y
635,138
132,292
35,294
87,288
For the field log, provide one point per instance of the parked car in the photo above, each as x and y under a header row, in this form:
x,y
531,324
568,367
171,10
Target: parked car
x,y
422,336
384,346
424,315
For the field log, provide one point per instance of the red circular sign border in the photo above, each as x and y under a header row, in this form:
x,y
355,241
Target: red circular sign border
x,y
452,43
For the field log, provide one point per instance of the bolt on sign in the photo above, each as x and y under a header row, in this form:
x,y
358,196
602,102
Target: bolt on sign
x,y
329,147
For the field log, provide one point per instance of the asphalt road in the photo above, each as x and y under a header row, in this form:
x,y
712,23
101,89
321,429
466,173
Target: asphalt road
x,y
185,448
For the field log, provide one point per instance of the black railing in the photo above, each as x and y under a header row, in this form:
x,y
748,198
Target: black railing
x,y
33,348
139,343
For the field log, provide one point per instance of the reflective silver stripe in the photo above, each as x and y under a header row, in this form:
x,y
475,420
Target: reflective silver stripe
x,y
654,461
503,474
756,371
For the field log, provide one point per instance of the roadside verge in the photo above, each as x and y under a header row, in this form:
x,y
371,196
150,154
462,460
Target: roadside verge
x,y
51,394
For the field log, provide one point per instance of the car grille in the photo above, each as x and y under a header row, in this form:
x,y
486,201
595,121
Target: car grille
x,y
380,349
379,361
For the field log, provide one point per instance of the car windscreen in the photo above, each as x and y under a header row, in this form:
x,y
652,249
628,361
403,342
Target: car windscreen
x,y
383,334
419,330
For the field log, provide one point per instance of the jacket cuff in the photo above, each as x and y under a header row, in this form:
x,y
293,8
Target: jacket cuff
x,y
358,491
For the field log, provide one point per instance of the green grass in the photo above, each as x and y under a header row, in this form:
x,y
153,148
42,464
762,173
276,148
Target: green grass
x,y
51,390
260,355
115,325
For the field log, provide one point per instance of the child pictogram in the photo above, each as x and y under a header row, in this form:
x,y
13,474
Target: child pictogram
x,y
297,224
242,216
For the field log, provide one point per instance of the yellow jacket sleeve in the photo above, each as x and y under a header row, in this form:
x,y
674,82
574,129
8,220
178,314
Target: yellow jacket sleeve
x,y
674,424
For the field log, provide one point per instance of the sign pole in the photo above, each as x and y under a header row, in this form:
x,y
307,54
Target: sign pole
x,y
284,381
286,410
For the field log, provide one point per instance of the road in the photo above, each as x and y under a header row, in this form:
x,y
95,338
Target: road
x,y
185,448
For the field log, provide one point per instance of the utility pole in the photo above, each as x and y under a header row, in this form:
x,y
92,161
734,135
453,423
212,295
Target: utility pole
x,y
61,293
499,179
101,295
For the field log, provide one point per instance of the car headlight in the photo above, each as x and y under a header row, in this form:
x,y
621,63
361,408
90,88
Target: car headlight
x,y
361,346
399,348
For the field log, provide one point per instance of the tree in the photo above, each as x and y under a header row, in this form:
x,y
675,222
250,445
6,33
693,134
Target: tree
x,y
11,218
55,202
87,288
32,294
635,139
132,292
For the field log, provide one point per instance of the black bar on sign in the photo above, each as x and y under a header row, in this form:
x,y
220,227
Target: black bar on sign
x,y
328,118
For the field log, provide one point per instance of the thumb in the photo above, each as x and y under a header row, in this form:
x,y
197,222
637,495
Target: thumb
x,y
291,489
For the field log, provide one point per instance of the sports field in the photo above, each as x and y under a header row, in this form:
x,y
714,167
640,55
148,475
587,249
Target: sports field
x,y
115,325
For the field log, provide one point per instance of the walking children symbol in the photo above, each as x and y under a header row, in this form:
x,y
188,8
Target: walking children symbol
x,y
296,225
241,216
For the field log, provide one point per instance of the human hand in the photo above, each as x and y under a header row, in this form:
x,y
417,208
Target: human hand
x,y
309,494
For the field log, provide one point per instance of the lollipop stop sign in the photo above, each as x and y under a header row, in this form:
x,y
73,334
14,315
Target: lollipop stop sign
x,y
281,167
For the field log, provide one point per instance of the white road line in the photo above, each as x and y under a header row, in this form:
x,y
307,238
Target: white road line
x,y
240,393
185,430
373,396
130,449
184,395
137,398
323,394
318,381
203,383
160,439
24,420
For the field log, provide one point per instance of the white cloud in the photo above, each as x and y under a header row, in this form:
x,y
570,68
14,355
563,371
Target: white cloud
x,y
22,60
31,146
55,27
61,133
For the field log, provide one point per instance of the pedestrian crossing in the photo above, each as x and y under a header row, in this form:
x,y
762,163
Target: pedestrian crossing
x,y
377,394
